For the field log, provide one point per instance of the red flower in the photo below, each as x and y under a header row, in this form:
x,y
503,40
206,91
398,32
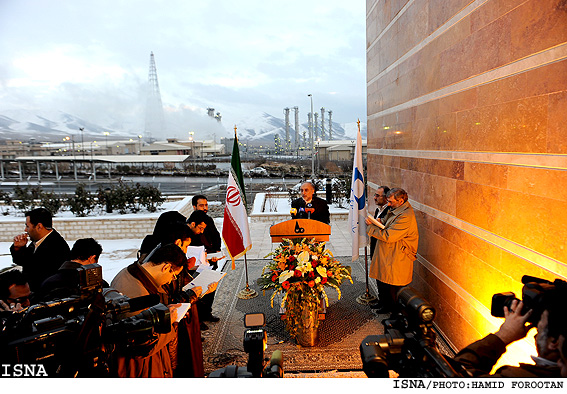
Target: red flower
x,y
290,267
311,283
311,274
291,259
323,281
329,274
314,263
297,273
274,278
286,285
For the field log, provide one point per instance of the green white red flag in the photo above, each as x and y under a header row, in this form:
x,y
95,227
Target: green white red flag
x,y
235,229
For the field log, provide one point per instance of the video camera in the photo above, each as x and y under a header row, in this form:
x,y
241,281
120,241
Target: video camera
x,y
408,345
75,335
255,342
533,296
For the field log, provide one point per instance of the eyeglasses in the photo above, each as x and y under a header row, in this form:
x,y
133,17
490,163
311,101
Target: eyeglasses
x,y
172,272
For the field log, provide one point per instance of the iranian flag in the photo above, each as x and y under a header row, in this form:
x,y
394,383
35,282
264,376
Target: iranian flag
x,y
235,231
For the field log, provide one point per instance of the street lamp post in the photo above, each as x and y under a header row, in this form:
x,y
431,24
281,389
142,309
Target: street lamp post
x,y
82,141
106,134
191,133
311,141
140,139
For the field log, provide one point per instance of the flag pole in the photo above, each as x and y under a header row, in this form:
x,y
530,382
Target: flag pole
x,y
246,293
366,298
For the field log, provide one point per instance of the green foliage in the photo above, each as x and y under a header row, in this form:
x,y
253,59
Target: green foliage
x,y
50,201
6,200
82,202
150,197
23,199
122,198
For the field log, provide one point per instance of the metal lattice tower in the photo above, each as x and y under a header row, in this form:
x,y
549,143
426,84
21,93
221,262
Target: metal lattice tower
x,y
155,122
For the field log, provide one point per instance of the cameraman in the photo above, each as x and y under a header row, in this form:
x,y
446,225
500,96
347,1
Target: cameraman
x,y
148,278
480,356
14,291
65,282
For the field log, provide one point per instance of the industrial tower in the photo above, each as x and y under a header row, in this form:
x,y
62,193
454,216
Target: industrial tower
x,y
155,122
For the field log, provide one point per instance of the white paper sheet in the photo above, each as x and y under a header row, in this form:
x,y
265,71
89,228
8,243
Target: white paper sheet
x,y
182,310
199,253
204,279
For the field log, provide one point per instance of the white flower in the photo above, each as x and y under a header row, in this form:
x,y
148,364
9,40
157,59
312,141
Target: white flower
x,y
303,257
285,276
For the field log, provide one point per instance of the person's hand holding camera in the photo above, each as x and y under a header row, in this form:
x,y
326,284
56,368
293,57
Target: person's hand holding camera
x,y
10,308
514,327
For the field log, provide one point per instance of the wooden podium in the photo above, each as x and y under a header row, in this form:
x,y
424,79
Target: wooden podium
x,y
300,228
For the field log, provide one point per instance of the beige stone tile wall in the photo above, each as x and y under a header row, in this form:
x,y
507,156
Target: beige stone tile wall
x,y
467,111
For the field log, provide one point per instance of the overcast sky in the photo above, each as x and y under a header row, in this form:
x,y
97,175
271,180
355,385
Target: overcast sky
x,y
242,57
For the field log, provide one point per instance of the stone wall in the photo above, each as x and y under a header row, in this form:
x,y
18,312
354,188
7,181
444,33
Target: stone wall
x,y
467,111
114,227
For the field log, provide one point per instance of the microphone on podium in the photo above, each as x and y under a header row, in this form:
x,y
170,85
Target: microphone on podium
x,y
309,210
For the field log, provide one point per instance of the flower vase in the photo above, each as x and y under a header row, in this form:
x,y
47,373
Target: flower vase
x,y
307,328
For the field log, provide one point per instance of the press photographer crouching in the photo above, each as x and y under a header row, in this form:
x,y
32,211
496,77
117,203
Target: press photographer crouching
x,y
542,306
408,345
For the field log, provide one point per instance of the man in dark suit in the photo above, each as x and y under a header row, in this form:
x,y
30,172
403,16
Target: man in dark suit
x,y
210,238
309,206
381,210
46,252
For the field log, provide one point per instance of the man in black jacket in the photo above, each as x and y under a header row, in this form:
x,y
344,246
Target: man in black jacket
x,y
310,206
197,222
45,254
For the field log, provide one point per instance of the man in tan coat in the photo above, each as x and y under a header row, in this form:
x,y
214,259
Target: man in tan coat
x,y
396,248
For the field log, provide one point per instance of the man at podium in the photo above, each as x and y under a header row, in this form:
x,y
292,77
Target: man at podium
x,y
310,206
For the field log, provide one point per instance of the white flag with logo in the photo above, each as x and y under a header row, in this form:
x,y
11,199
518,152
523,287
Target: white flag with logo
x,y
357,210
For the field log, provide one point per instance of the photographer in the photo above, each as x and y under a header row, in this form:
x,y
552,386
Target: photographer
x,y
480,356
66,282
138,280
14,291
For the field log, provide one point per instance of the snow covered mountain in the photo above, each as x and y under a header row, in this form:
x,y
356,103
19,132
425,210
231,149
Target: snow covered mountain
x,y
50,126
53,126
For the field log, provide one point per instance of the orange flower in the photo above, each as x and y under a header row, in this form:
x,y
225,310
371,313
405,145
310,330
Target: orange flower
x,y
311,283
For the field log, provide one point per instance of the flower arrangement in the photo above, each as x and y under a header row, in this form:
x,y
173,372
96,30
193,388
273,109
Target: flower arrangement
x,y
300,269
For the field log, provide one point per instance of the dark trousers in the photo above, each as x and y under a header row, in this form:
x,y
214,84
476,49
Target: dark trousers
x,y
387,295
205,306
